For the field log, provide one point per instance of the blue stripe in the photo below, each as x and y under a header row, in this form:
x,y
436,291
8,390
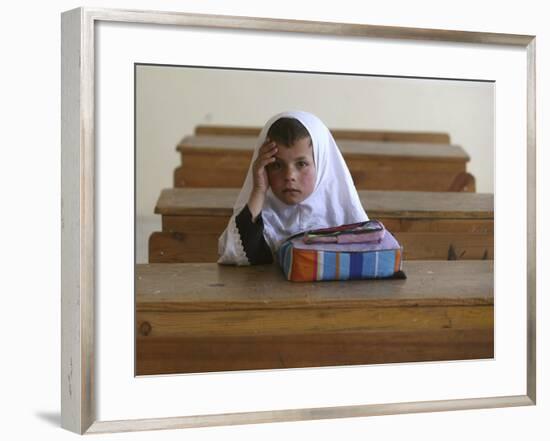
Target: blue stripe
x,y
356,265
386,263
329,266
368,264
281,252
284,256
288,261
344,266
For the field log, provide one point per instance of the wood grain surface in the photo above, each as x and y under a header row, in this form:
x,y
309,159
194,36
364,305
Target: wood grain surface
x,y
222,161
429,225
215,354
388,204
208,286
202,246
245,144
207,317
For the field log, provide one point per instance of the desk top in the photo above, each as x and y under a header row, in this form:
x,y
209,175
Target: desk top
x,y
395,204
348,147
209,286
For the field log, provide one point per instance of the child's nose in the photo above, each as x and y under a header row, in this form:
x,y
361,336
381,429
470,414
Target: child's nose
x,y
290,174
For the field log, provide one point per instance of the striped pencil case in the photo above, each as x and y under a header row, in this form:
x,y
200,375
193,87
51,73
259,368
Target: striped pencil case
x,y
308,262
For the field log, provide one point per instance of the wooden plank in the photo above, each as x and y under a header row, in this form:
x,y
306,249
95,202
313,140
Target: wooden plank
x,y
206,317
182,247
222,161
209,286
240,323
204,225
428,225
201,246
216,224
219,171
215,354
349,147
364,135
388,204
435,225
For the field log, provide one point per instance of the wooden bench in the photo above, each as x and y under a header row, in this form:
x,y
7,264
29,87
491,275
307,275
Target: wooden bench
x,y
338,134
207,317
428,225
223,160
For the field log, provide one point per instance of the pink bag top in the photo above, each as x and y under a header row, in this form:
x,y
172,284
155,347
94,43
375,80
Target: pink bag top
x,y
369,231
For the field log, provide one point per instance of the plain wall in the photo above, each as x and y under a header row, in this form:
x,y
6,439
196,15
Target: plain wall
x,y
171,101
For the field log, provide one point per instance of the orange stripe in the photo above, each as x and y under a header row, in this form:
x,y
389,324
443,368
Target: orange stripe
x,y
397,260
314,266
337,266
301,270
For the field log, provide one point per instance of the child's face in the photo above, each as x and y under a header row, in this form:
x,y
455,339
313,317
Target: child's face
x,y
292,175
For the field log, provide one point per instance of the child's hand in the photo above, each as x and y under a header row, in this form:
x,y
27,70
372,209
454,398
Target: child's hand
x,y
266,156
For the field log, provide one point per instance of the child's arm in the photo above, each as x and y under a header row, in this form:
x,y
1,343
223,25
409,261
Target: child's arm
x,y
251,233
243,242
266,155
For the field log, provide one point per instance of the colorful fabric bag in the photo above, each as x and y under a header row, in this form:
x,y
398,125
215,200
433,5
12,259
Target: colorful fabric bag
x,y
344,260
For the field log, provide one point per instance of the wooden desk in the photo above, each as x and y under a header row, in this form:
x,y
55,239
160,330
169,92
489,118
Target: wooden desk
x,y
206,317
428,225
222,161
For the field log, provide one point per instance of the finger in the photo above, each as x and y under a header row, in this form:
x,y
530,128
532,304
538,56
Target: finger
x,y
264,160
268,145
262,163
267,153
267,160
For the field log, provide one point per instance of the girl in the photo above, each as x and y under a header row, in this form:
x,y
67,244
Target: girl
x,y
297,181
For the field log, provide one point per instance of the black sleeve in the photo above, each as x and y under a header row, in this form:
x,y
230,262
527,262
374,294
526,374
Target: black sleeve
x,y
252,237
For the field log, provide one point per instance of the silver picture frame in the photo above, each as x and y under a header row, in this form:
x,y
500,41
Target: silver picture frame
x,y
78,393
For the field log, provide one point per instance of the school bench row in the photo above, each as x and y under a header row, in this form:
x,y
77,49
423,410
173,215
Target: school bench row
x,y
360,135
205,317
429,225
219,156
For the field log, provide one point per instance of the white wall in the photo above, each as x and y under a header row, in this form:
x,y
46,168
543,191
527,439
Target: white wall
x,y
171,101
30,190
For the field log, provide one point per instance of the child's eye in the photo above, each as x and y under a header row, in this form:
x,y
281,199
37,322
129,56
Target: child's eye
x,y
301,164
274,166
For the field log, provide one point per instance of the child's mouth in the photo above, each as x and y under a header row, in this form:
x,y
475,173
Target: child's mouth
x,y
291,190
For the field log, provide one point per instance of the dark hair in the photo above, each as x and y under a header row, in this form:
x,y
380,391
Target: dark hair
x,y
287,131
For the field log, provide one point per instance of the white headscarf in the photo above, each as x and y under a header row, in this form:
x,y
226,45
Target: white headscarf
x,y
334,200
